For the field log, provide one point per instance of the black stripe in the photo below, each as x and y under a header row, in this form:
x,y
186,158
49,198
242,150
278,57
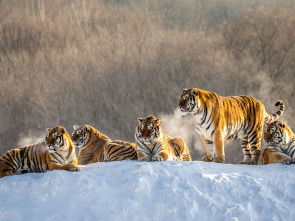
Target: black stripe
x,y
204,114
63,159
152,151
176,151
37,160
114,151
56,159
33,159
207,128
10,159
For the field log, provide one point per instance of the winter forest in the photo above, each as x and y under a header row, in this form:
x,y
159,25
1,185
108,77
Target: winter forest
x,y
107,63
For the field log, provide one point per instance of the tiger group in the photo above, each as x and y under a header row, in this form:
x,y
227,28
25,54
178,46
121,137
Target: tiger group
x,y
216,119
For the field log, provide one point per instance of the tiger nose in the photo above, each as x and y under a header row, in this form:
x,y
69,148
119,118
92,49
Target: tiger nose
x,y
144,136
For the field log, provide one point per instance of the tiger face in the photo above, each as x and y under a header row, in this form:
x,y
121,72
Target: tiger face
x,y
80,136
56,139
277,134
148,130
188,101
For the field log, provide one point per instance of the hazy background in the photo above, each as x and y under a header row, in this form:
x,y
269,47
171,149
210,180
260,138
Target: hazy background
x,y
108,62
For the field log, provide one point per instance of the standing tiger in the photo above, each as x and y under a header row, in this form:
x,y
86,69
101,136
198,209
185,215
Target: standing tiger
x,y
153,145
280,142
227,118
97,147
56,153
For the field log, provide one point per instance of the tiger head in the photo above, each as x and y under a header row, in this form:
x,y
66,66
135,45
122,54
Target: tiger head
x,y
148,130
189,101
57,139
81,135
277,134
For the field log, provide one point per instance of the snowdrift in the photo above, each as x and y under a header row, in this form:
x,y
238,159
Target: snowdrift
x,y
131,190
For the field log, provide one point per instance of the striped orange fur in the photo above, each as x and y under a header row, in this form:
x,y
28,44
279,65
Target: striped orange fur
x,y
56,153
97,147
226,118
153,145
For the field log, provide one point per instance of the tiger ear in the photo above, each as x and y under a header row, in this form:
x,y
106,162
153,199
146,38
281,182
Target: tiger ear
x,y
194,92
76,127
281,124
87,128
158,121
63,130
184,90
48,130
140,120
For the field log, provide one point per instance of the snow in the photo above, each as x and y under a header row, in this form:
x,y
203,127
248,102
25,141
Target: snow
x,y
171,190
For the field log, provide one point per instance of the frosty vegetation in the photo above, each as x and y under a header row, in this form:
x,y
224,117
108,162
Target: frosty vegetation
x,y
108,62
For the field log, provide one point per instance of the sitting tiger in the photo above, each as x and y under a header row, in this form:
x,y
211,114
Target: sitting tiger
x,y
56,153
153,145
227,118
97,147
280,142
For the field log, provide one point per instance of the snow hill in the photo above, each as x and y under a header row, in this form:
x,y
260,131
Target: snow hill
x,y
131,190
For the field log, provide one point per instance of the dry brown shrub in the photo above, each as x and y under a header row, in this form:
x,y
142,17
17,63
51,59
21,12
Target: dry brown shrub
x,y
107,63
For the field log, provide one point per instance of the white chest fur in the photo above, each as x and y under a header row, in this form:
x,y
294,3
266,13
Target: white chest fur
x,y
204,125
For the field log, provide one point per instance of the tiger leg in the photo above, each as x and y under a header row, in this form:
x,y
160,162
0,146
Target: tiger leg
x,y
271,155
68,167
141,156
246,150
219,146
255,143
186,156
10,164
209,148
7,170
181,150
162,156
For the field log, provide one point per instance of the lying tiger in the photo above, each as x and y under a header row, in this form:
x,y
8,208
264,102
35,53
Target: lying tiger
x,y
227,118
97,147
280,142
56,153
153,145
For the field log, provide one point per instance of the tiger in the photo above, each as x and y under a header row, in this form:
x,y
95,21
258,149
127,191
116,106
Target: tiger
x,y
55,153
153,145
280,142
97,147
220,118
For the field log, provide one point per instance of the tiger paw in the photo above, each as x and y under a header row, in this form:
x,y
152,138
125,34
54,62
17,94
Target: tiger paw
x,y
157,158
244,162
72,168
287,162
255,155
207,159
253,162
143,158
219,160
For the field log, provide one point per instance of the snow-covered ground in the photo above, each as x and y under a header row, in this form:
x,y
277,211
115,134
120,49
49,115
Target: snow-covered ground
x,y
131,190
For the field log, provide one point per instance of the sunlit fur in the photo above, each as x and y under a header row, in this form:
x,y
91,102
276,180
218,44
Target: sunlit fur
x,y
56,153
120,150
97,147
280,142
227,118
153,145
